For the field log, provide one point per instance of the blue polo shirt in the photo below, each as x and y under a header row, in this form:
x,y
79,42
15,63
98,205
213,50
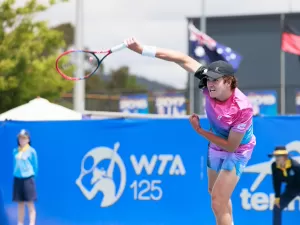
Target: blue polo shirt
x,y
25,163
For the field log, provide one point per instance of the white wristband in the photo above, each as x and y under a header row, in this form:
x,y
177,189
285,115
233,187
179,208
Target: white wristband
x,y
149,51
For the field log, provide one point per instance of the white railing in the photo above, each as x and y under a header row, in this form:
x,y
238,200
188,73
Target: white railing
x,y
105,115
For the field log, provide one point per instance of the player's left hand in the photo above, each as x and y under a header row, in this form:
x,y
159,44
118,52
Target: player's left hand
x,y
194,120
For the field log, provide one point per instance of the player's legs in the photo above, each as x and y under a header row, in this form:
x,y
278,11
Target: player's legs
x,y
215,160
221,195
232,165
212,177
214,164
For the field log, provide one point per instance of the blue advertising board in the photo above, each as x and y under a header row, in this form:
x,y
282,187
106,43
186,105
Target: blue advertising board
x,y
264,102
134,103
171,104
140,171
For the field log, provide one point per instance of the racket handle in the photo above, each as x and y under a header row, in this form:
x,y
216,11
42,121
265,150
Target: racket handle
x,y
118,47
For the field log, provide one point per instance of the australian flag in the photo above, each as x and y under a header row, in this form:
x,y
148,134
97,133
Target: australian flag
x,y
207,50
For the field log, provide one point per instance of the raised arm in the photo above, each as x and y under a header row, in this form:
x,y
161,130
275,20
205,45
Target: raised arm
x,y
183,60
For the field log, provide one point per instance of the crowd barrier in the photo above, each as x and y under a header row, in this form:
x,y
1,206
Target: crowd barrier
x,y
140,172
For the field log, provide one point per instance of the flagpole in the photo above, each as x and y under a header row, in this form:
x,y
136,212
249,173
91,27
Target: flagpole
x,y
190,78
79,86
282,73
191,92
199,95
203,18
200,100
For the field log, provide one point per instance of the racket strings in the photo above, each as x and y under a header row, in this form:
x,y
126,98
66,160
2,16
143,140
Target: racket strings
x,y
78,64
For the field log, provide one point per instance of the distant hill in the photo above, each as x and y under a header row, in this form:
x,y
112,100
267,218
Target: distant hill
x,y
153,85
148,84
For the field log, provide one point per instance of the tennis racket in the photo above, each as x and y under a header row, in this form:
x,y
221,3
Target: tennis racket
x,y
66,64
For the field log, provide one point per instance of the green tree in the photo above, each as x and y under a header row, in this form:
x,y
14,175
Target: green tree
x,y
95,83
68,30
25,70
122,81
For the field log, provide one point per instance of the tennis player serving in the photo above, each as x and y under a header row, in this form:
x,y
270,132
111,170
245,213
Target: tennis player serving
x,y
230,115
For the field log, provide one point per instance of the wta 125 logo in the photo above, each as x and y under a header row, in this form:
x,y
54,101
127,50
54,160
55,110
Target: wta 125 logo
x,y
251,199
103,180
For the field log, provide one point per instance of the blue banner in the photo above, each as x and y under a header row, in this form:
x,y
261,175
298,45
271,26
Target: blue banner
x,y
136,171
171,104
264,102
134,103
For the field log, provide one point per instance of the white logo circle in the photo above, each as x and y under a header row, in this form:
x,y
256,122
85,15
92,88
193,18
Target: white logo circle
x,y
102,180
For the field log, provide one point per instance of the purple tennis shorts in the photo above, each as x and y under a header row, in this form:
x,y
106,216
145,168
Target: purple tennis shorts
x,y
222,160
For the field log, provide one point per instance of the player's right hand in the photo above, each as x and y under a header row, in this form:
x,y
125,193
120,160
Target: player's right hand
x,y
194,120
134,45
